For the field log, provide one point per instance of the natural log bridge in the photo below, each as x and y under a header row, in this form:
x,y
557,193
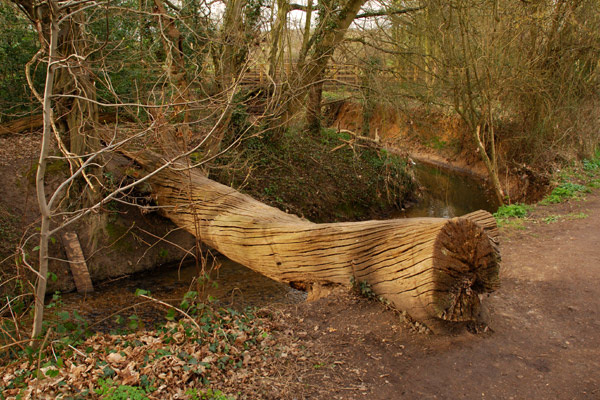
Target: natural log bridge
x,y
433,268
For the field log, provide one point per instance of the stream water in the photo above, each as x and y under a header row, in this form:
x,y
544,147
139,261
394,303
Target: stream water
x,y
445,194
448,194
231,283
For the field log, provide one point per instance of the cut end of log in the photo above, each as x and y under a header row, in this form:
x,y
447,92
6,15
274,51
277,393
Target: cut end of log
x,y
465,265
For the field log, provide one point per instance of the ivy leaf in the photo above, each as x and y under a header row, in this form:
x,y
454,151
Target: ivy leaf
x,y
134,322
63,315
170,314
52,373
52,276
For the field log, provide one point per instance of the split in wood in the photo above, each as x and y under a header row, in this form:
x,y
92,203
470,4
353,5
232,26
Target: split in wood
x,y
431,267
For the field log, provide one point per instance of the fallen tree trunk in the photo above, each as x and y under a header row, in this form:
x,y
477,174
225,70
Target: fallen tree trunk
x,y
34,122
430,267
28,123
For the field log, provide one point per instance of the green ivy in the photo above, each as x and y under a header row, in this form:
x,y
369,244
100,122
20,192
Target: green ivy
x,y
565,191
109,390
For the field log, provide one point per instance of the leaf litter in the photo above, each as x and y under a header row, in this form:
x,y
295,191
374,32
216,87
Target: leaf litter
x,y
234,355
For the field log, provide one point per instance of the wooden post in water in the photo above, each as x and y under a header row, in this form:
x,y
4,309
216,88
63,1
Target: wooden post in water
x,y
79,269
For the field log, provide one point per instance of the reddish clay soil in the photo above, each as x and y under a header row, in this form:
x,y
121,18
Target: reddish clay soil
x,y
543,341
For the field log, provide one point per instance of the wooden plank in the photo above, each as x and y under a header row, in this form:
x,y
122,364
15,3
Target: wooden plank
x,y
79,269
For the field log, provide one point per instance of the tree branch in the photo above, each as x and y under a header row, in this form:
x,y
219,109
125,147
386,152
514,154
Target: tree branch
x,y
382,13
300,7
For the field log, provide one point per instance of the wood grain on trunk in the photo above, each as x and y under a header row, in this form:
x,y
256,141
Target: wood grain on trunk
x,y
430,267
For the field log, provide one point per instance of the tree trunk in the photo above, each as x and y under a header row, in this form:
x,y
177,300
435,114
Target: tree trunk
x,y
28,123
489,165
313,108
234,50
275,52
33,123
175,59
42,280
311,67
433,268
76,116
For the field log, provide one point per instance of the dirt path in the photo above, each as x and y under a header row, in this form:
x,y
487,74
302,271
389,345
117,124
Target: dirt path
x,y
544,341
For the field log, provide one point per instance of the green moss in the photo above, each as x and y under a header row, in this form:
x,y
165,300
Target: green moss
x,y
117,235
53,167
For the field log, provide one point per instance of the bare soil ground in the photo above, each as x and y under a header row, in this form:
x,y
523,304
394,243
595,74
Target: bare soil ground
x,y
543,341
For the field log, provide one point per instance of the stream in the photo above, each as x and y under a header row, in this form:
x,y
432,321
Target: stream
x,y
448,194
231,283
445,194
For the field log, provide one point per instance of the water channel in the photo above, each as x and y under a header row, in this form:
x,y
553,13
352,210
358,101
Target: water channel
x,y
445,194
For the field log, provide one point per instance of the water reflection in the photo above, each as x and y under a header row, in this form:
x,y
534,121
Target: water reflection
x,y
231,283
448,194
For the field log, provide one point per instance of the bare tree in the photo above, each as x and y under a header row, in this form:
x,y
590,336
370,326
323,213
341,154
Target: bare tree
x,y
76,104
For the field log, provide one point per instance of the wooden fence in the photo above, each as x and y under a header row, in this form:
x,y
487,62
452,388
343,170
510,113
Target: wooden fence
x,y
337,76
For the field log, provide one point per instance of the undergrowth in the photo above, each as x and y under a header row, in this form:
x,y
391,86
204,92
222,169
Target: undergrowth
x,y
506,213
573,184
565,191
207,341
325,177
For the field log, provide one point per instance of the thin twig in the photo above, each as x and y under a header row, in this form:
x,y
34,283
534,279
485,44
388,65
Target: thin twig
x,y
173,307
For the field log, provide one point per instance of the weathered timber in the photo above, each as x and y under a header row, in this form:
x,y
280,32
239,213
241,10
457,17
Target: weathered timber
x,y
79,269
34,122
28,123
489,225
430,267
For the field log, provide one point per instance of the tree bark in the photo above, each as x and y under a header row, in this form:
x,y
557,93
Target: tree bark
x,y
32,123
76,116
433,268
311,67
28,123
175,60
275,52
313,108
40,292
